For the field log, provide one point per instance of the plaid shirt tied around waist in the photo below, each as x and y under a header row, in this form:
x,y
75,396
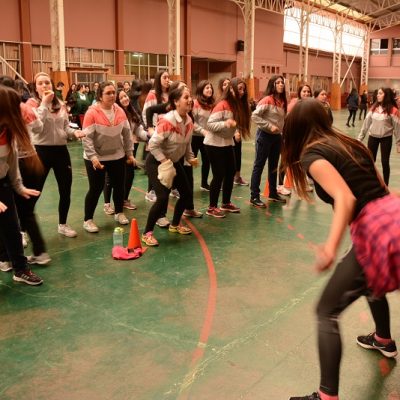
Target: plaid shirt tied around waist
x,y
376,237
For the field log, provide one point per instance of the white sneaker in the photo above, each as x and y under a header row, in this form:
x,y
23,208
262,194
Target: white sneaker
x,y
121,219
175,193
90,226
151,196
5,266
108,209
41,259
24,239
163,222
66,230
283,191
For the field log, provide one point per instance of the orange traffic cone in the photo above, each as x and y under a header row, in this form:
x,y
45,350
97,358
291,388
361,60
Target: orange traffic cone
x,y
266,189
288,181
134,237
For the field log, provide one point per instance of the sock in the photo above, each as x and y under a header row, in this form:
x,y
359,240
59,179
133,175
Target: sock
x,y
382,340
327,396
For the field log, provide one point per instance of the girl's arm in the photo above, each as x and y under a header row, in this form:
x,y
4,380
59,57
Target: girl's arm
x,y
365,127
326,175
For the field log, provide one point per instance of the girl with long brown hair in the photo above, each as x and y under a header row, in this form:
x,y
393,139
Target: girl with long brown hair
x,y
13,138
344,175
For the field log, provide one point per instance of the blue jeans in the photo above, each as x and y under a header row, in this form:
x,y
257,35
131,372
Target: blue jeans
x,y
268,146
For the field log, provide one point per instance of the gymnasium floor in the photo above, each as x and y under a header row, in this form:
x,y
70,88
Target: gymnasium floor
x,y
224,314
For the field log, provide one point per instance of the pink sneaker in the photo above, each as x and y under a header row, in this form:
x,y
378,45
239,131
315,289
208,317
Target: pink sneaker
x,y
230,207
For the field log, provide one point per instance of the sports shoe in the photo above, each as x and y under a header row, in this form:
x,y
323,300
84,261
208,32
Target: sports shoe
x,y
24,239
256,202
66,230
149,239
175,193
151,196
205,187
369,342
163,222
108,209
28,277
192,213
41,259
183,230
276,198
314,396
215,212
283,191
129,206
240,182
121,219
90,226
230,207
5,266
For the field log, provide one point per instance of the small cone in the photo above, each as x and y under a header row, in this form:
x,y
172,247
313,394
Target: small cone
x,y
288,181
266,189
134,237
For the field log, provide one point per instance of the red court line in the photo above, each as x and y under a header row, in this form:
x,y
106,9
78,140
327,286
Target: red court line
x,y
211,301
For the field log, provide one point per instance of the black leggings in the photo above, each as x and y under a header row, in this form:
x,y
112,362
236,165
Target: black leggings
x,y
115,170
181,182
128,182
198,145
352,114
237,148
345,286
222,160
386,148
58,159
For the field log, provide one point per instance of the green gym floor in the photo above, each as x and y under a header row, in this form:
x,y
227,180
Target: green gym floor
x,y
226,313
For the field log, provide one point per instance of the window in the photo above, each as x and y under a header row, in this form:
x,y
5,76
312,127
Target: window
x,y
396,46
145,65
10,52
379,46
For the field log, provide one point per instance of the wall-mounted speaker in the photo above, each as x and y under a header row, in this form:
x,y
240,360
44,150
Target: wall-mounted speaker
x,y
240,45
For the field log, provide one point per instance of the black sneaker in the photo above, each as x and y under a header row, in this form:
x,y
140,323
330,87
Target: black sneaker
x,y
369,342
314,396
28,277
276,198
256,202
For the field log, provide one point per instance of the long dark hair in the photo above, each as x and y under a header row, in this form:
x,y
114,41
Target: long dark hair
x,y
389,101
130,112
205,102
243,113
12,122
271,90
158,86
308,125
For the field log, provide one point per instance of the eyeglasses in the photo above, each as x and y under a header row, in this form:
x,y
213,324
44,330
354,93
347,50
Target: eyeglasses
x,y
109,93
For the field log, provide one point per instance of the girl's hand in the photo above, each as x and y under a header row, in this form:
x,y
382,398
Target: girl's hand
x,y
150,132
131,160
274,129
79,134
230,123
97,164
47,97
237,136
324,257
27,193
3,207
194,162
